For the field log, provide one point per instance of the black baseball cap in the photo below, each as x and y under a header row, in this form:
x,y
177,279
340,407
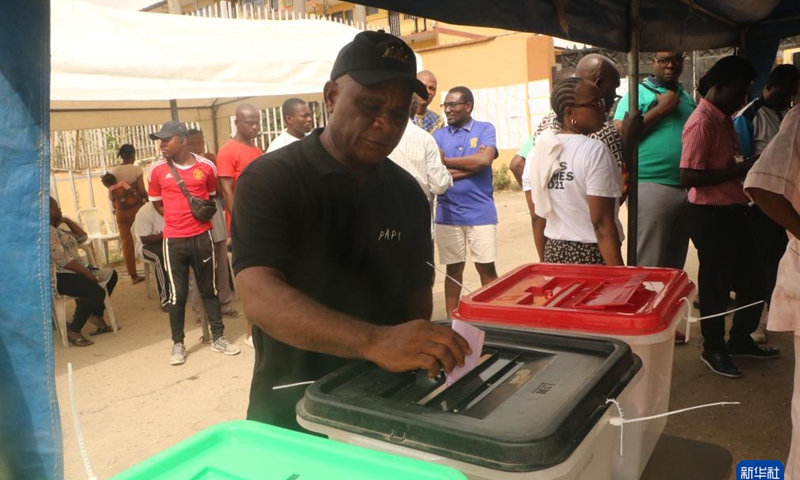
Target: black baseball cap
x,y
169,130
375,57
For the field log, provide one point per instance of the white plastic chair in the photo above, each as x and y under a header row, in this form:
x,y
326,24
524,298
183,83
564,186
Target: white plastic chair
x,y
92,221
60,313
149,265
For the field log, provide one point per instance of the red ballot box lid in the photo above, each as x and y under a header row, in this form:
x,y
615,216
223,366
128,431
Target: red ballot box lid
x,y
589,298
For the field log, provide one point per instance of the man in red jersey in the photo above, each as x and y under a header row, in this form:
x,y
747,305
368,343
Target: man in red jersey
x,y
238,152
187,240
232,158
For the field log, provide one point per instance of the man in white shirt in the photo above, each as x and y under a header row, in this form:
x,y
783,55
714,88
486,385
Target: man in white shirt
x,y
298,120
147,230
419,155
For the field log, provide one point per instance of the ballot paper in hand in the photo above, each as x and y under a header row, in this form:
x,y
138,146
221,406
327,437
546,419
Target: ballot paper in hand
x,y
474,336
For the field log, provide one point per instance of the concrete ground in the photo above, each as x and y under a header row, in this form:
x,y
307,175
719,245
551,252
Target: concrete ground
x,y
132,404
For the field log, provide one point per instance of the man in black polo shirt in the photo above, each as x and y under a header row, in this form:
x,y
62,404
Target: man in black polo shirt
x,y
331,240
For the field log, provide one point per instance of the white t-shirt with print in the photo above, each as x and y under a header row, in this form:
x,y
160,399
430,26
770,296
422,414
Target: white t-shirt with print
x,y
587,168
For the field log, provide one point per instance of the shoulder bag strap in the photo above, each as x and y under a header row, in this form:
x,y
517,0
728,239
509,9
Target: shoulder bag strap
x,y
179,180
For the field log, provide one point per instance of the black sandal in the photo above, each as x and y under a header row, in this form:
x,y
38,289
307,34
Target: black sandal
x,y
103,329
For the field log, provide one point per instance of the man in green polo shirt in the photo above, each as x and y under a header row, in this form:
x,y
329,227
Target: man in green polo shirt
x,y
662,237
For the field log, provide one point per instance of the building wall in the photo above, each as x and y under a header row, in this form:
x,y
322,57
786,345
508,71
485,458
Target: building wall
x,y
482,31
508,74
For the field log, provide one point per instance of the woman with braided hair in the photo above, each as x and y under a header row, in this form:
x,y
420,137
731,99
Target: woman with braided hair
x,y
575,183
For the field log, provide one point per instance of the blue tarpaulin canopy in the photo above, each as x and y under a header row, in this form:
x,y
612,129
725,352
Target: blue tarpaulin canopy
x,y
684,25
665,24
30,428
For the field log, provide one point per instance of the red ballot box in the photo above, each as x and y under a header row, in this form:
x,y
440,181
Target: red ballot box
x,y
640,306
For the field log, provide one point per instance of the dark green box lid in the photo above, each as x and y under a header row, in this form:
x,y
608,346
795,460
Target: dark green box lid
x,y
527,407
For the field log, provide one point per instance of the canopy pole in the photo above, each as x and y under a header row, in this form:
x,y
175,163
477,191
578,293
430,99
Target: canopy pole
x,y
173,109
175,8
215,130
633,157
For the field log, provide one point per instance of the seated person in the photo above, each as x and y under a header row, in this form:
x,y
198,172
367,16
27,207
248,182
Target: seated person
x,y
148,228
74,278
575,183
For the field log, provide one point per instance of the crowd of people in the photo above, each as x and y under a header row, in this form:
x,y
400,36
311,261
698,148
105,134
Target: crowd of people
x,y
188,254
332,242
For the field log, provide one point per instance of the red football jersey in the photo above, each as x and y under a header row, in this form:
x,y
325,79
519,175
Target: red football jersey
x,y
200,179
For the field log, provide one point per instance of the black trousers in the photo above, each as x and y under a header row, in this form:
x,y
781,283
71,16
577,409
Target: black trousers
x,y
180,254
155,253
770,241
728,261
89,296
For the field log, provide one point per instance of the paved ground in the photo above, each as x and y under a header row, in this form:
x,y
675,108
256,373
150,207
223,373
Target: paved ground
x,y
132,404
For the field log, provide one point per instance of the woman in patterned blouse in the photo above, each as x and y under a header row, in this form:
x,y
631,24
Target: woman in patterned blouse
x,y
74,278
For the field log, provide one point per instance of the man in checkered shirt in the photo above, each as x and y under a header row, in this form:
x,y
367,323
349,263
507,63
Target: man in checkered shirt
x,y
425,119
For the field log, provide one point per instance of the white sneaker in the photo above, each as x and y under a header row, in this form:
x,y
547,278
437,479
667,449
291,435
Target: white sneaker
x,y
221,345
178,356
760,335
249,342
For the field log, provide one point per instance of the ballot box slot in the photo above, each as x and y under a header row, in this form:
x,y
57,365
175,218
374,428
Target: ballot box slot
x,y
486,380
527,367
476,385
431,389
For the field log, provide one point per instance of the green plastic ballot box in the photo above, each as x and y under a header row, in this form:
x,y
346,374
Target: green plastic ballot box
x,y
245,450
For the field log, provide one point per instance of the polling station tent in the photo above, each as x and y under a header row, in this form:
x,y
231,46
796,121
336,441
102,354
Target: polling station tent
x,y
114,67
30,438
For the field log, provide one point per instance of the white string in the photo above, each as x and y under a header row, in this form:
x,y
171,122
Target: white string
x,y
688,314
279,387
620,421
692,319
621,430
89,472
448,276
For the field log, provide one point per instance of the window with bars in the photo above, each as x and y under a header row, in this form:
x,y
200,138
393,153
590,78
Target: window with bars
x,y
95,149
272,123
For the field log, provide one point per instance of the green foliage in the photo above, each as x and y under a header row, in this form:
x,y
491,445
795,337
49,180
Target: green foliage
x,y
503,180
